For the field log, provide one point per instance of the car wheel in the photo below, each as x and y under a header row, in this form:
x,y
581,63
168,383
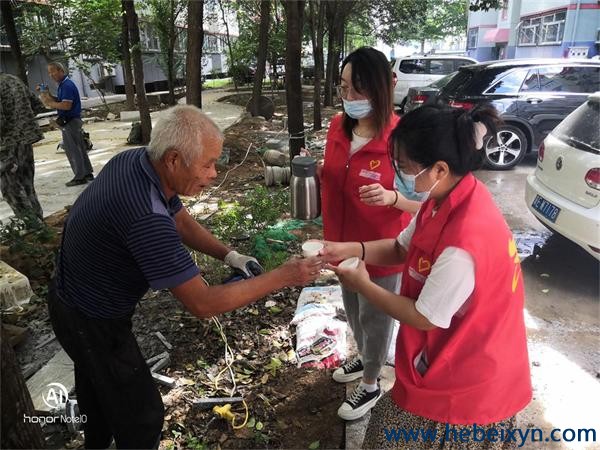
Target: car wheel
x,y
506,149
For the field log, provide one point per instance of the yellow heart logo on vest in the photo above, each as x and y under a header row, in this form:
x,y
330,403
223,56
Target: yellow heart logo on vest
x,y
516,277
374,164
424,265
513,253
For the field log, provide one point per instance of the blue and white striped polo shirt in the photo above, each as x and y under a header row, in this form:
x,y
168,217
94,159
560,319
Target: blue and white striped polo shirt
x,y
119,239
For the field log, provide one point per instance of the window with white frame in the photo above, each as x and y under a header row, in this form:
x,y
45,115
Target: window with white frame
x,y
181,41
553,28
543,30
211,43
529,31
148,38
472,38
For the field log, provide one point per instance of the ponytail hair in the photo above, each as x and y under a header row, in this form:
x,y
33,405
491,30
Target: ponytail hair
x,y
440,133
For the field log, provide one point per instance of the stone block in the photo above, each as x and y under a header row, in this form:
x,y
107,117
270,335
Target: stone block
x,y
15,290
129,116
57,374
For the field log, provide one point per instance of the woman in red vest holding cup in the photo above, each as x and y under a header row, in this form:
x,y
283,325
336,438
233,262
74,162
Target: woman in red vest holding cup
x,y
357,157
462,368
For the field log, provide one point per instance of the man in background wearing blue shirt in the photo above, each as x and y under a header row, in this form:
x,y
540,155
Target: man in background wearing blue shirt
x,y
127,232
68,106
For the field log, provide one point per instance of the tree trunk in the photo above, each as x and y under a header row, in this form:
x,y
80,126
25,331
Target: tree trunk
x,y
171,54
339,47
17,432
194,53
317,16
228,37
294,11
138,70
13,39
171,75
126,66
263,43
332,26
337,14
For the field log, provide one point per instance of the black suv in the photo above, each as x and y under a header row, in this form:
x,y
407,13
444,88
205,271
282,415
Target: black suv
x,y
532,95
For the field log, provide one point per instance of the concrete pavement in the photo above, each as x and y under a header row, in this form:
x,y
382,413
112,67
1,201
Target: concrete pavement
x,y
52,169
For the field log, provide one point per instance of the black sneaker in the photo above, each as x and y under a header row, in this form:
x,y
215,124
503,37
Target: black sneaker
x,y
76,182
359,403
89,177
349,372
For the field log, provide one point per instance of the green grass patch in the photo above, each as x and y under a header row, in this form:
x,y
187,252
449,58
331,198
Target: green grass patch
x,y
217,83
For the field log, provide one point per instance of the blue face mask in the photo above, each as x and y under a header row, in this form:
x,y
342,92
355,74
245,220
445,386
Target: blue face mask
x,y
357,109
405,185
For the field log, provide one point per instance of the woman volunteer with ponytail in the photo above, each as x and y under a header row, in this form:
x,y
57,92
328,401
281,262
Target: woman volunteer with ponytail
x,y
461,353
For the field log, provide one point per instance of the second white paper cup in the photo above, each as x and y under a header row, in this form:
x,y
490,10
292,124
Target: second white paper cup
x,y
350,263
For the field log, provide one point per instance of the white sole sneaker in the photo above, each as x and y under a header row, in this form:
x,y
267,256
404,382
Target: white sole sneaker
x,y
341,377
353,414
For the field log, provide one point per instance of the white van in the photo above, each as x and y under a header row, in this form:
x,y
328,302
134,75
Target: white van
x,y
419,70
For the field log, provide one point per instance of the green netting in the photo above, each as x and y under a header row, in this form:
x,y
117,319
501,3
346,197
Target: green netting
x,y
275,238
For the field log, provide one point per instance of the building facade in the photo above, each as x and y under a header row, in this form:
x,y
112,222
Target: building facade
x,y
535,29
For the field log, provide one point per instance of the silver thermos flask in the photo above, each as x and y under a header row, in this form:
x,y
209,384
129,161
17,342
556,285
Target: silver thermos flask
x,y
304,189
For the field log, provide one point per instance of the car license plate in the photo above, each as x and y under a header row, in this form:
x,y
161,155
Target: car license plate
x,y
545,208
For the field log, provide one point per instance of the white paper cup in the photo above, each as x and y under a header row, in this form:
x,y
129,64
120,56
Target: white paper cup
x,y
311,248
350,263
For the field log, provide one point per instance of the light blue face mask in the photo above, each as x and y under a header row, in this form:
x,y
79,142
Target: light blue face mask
x,y
357,109
405,185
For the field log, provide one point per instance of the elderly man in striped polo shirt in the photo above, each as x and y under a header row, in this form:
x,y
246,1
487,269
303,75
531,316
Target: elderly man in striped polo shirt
x,y
124,234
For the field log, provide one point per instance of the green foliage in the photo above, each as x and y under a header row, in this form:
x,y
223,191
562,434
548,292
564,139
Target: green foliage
x,y
408,20
258,209
274,365
25,233
90,27
244,48
486,5
32,240
194,443
266,206
240,73
254,219
359,33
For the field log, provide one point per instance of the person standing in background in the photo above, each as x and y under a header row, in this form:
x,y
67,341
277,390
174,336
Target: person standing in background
x,y
68,106
18,134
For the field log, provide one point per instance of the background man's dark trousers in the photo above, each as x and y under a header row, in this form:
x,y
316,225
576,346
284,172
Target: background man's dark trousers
x,y
75,148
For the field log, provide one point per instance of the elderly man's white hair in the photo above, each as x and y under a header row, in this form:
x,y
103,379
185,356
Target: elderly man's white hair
x,y
184,128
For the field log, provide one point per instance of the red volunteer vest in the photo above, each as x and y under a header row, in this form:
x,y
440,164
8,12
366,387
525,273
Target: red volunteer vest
x,y
478,367
345,217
